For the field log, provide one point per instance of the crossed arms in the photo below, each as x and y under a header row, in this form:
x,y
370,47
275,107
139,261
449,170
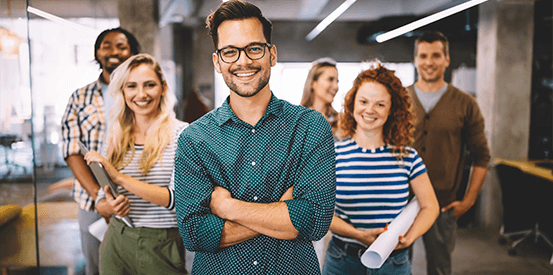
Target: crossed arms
x,y
210,218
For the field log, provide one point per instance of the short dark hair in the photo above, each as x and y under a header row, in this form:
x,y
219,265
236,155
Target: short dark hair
x,y
236,10
133,43
431,37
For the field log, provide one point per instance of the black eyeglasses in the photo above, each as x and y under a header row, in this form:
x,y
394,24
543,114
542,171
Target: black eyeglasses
x,y
253,51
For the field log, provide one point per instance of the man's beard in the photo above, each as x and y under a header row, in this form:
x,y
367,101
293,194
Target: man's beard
x,y
263,81
430,80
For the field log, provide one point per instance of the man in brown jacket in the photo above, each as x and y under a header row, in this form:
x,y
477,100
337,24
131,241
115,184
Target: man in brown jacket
x,y
447,121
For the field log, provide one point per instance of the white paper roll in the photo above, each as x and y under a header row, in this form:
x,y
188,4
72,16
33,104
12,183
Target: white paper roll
x,y
385,243
98,229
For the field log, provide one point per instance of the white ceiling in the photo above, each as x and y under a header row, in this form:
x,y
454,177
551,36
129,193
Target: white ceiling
x,y
197,10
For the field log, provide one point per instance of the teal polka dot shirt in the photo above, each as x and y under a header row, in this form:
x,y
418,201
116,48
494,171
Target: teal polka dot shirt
x,y
289,146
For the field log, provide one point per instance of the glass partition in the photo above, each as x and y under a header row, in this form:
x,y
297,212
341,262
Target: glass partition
x,y
43,59
18,189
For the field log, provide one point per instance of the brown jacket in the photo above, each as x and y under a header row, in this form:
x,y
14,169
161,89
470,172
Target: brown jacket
x,y
441,136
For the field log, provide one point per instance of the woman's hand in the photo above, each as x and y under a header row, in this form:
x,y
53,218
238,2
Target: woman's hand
x,y
368,236
120,205
404,241
94,156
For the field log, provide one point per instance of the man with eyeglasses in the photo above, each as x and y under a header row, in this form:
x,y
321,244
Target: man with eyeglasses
x,y
254,179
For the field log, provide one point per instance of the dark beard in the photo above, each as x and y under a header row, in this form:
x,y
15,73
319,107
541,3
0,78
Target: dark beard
x,y
260,85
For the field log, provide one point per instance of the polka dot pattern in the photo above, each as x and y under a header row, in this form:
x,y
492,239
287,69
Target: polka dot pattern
x,y
289,146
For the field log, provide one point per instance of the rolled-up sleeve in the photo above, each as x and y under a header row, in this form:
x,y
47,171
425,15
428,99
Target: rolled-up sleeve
x,y
70,128
314,193
199,228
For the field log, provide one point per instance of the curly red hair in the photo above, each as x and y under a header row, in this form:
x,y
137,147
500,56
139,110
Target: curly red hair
x,y
399,127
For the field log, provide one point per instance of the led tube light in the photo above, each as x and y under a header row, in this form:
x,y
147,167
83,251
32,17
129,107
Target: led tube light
x,y
62,21
329,19
427,20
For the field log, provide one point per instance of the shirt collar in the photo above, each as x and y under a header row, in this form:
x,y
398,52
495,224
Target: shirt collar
x,y
225,113
99,85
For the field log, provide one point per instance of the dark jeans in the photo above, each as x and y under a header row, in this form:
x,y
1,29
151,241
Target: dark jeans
x,y
439,242
338,262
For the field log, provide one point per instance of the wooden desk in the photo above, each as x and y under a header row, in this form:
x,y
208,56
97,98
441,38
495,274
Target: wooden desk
x,y
533,171
528,166
58,233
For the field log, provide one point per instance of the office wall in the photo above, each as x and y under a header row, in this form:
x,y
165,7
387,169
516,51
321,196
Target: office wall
x,y
338,41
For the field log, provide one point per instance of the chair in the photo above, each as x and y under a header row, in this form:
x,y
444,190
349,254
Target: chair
x,y
525,201
6,141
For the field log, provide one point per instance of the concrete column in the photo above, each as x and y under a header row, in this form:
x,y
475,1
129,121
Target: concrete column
x,y
503,90
140,17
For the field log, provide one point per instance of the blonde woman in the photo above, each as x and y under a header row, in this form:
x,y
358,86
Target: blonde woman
x,y
320,88
139,159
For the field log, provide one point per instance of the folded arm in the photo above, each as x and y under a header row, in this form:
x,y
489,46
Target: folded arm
x,y
366,236
152,193
270,219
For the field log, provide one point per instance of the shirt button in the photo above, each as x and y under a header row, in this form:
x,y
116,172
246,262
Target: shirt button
x,y
253,130
254,262
253,162
423,149
425,132
427,117
255,198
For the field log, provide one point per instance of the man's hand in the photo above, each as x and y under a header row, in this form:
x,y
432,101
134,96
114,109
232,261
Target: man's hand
x,y
459,207
219,202
120,205
288,194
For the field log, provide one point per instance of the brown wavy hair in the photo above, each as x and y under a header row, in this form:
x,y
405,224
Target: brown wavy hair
x,y
399,127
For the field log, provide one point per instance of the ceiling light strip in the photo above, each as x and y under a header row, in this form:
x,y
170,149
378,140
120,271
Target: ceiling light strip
x,y
329,19
61,21
427,20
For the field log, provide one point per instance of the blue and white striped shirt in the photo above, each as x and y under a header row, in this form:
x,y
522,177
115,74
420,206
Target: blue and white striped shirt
x,y
372,185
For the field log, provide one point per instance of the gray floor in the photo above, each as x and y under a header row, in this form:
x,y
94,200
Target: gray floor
x,y
477,251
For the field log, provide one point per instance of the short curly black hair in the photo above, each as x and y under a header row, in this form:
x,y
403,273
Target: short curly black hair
x,y
133,43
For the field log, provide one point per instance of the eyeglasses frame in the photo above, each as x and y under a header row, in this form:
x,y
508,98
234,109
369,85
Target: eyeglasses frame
x,y
243,49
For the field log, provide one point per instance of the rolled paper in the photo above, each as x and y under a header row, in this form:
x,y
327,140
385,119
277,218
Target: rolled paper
x,y
385,243
98,229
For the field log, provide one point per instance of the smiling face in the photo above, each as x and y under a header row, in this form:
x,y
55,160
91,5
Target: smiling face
x,y
431,62
245,77
143,91
113,51
326,86
371,107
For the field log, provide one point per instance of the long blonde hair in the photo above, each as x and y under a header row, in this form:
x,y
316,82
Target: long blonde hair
x,y
121,118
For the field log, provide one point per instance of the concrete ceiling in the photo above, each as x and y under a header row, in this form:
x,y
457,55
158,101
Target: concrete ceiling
x,y
197,10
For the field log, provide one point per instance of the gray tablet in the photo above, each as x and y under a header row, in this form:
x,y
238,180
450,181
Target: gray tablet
x,y
103,178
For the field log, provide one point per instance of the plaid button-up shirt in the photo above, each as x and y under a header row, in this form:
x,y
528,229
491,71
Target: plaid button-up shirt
x,y
85,120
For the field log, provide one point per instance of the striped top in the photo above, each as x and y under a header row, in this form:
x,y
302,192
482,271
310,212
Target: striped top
x,y
144,213
372,185
84,120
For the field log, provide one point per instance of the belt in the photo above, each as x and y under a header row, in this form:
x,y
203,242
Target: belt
x,y
356,250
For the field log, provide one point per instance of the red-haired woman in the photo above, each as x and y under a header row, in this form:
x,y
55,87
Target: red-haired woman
x,y
375,167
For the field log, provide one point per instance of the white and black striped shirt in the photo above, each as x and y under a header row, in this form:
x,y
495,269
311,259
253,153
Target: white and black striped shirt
x,y
144,213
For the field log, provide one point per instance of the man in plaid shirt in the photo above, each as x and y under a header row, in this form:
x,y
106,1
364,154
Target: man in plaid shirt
x,y
85,120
